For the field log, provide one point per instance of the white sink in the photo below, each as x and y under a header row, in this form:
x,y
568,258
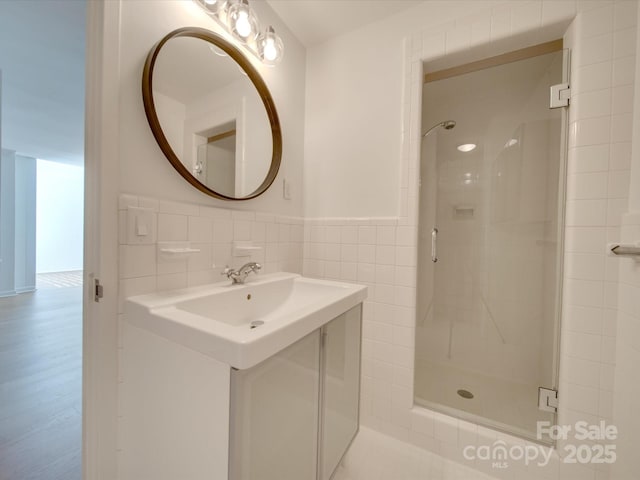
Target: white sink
x,y
242,325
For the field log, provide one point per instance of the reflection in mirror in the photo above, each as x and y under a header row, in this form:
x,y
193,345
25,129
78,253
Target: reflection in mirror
x,y
218,156
212,116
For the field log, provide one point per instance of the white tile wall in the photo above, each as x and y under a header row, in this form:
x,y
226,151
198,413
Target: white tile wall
x,y
602,39
212,231
626,388
598,187
381,252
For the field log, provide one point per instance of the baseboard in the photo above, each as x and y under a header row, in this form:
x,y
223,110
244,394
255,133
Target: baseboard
x,y
28,289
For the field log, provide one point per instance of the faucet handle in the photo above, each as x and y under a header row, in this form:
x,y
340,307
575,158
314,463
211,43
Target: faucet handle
x,y
227,271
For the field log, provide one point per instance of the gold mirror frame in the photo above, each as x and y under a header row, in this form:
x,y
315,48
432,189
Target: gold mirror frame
x,y
256,79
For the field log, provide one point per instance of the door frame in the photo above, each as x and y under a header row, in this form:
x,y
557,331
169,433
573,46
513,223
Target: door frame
x,y
100,319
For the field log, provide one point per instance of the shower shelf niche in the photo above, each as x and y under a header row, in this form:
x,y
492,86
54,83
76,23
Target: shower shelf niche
x,y
463,212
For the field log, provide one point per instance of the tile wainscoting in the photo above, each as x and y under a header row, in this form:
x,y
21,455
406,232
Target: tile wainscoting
x,y
211,230
626,387
382,253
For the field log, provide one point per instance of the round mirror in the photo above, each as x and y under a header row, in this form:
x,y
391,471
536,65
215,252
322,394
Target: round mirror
x,y
212,114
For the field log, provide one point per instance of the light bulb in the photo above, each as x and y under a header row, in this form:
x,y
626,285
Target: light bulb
x,y
270,51
243,27
467,147
210,6
242,21
270,47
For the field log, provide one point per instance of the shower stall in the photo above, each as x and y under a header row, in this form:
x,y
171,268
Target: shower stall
x,y
490,243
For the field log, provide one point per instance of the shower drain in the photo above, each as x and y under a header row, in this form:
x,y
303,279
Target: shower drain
x,y
465,393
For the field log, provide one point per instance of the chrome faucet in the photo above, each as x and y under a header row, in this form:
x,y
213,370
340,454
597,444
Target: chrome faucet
x,y
240,275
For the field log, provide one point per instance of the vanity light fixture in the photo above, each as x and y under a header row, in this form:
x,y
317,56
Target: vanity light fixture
x,y
239,19
467,147
270,47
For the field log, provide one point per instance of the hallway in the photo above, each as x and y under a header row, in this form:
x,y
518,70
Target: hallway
x,y
40,385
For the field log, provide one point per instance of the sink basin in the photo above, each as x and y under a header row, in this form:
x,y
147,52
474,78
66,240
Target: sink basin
x,y
242,325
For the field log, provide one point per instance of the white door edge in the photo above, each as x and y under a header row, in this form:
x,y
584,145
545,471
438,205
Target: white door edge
x,y
100,325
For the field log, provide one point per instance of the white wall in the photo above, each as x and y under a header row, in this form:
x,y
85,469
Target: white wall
x,y
145,172
354,125
634,193
17,223
59,217
7,219
370,80
142,25
25,223
172,113
361,161
627,382
146,179
237,102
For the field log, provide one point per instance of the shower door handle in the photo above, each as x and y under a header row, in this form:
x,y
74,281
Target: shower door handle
x,y
434,245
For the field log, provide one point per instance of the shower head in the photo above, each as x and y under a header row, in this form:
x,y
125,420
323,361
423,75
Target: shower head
x,y
447,125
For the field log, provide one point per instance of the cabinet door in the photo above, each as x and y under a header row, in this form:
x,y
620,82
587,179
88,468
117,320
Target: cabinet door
x,y
274,415
341,387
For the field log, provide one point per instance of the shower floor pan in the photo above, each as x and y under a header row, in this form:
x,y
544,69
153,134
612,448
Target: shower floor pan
x,y
500,404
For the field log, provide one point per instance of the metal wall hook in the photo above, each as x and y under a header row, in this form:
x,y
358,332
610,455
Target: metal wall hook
x,y
625,250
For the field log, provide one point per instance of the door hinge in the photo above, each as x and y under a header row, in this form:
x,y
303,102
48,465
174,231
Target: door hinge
x,y
559,95
547,399
98,291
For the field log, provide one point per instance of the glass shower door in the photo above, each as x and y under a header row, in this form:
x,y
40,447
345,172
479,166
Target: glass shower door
x,y
491,209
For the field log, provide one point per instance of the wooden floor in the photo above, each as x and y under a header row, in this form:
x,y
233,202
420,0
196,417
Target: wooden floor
x,y
40,385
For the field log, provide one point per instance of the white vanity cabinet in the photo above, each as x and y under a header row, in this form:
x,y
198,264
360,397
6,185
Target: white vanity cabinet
x,y
187,416
294,415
